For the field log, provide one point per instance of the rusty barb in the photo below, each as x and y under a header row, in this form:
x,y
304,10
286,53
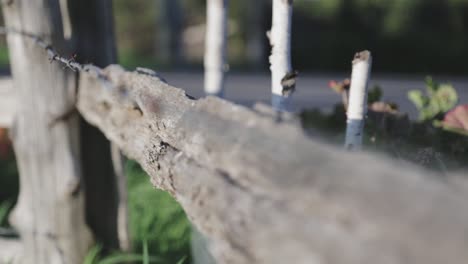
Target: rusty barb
x,y
53,55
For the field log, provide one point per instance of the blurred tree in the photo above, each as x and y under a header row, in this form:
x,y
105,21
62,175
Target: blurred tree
x,y
169,25
253,24
135,26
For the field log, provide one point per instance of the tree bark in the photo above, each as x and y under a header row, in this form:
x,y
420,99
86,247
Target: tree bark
x,y
215,46
280,58
357,107
106,193
49,214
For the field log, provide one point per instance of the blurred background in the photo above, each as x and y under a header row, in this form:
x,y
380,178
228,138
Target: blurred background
x,y
409,39
405,36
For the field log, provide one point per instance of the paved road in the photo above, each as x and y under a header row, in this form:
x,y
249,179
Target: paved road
x,y
312,89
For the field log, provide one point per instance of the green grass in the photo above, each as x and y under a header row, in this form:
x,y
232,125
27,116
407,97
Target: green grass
x,y
156,220
5,208
158,225
94,257
4,58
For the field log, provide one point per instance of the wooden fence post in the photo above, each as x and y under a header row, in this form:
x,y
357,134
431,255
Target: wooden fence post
x,y
93,37
49,214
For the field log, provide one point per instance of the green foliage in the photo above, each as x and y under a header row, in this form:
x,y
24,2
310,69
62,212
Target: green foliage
x,y
9,184
331,126
436,148
439,99
94,257
420,143
4,210
157,223
374,95
4,58
157,218
145,253
182,260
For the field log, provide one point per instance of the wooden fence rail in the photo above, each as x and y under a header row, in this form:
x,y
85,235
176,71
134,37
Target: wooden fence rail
x,y
263,192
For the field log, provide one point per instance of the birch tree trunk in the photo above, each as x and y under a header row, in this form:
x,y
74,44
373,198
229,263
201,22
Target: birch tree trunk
x,y
106,192
215,46
357,107
49,214
280,58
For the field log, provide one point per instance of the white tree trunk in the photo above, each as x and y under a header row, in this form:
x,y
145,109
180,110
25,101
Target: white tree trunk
x,y
49,215
215,46
357,107
280,58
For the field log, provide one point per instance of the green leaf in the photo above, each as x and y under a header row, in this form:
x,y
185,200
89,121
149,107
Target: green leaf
x,y
374,95
182,260
145,252
92,256
416,97
127,257
4,210
447,97
431,86
440,99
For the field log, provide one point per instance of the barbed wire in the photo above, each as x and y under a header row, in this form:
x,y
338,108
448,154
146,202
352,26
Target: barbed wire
x,y
93,70
75,66
53,55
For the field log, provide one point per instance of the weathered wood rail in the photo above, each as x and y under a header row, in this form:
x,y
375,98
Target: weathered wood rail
x,y
263,192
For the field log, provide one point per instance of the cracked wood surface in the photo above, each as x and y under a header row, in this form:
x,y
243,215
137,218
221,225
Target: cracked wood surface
x,y
263,192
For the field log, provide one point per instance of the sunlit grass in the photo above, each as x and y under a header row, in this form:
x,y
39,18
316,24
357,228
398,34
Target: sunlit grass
x,y
4,210
4,58
156,218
